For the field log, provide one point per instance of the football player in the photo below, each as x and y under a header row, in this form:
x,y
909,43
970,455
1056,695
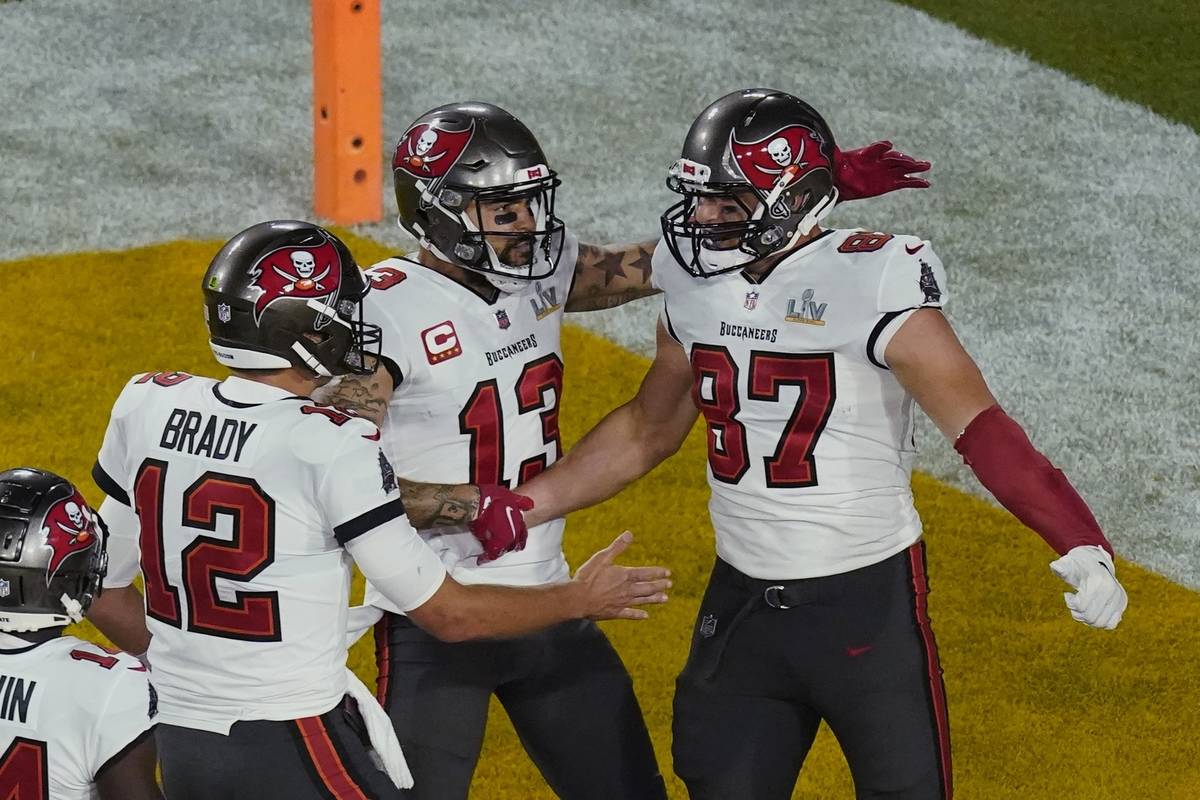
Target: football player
x,y
806,349
76,720
251,500
468,391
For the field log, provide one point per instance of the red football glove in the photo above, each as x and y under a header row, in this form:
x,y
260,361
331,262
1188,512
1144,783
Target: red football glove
x,y
499,526
874,170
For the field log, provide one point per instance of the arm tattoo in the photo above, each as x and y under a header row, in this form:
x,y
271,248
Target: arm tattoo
x,y
366,395
439,505
617,275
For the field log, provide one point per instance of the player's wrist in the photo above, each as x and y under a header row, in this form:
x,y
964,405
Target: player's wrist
x,y
574,598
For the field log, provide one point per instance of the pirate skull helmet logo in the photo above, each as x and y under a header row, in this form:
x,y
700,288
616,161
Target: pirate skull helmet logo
x,y
426,151
794,150
780,151
69,528
310,269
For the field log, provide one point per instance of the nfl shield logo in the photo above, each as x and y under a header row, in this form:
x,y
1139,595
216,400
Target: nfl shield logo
x,y
502,319
5,588
708,626
223,312
751,300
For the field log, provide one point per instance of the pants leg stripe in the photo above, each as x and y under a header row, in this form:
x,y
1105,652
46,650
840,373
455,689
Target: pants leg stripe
x,y
330,767
383,652
933,669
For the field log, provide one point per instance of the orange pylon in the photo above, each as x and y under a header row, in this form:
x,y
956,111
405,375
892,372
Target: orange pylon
x,y
347,110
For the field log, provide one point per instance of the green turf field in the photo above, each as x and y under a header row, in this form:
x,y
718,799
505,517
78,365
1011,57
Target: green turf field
x,y
1147,52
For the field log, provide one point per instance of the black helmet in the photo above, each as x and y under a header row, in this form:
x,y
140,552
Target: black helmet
x,y
465,153
759,140
288,294
52,551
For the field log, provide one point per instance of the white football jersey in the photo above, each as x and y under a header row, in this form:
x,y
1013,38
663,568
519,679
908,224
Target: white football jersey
x,y
245,496
810,436
477,400
67,707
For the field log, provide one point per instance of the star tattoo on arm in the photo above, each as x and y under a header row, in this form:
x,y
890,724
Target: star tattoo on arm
x,y
609,276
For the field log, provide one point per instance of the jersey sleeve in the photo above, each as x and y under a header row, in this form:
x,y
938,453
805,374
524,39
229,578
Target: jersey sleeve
x,y
356,488
660,262
568,260
912,277
123,528
398,564
112,471
381,307
128,715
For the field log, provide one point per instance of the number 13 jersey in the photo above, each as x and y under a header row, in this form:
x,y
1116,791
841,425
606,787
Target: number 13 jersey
x,y
477,399
810,436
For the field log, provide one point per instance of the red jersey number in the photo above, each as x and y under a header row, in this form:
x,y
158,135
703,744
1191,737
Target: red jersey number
x,y
716,392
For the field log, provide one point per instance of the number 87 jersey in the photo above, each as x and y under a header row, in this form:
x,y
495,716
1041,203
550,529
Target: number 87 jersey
x,y
478,381
810,436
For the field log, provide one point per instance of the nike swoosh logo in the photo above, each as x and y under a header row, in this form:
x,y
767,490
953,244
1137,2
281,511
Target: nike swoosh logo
x,y
858,651
912,251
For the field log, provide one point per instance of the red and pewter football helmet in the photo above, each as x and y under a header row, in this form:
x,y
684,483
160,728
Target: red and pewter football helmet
x,y
760,141
288,294
465,154
53,551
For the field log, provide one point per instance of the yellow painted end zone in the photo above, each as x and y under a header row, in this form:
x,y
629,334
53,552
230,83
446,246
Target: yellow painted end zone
x,y
1040,706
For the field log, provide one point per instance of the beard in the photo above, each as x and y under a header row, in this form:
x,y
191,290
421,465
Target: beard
x,y
518,252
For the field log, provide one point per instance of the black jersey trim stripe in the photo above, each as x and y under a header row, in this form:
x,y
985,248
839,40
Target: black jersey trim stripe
x,y
877,331
234,403
237,404
491,295
368,521
670,327
109,486
12,651
117,756
394,370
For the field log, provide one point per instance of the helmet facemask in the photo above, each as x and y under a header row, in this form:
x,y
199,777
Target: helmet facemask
x,y
456,237
340,342
774,221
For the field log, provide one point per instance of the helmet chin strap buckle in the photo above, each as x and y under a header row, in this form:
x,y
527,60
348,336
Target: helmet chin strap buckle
x,y
74,607
466,252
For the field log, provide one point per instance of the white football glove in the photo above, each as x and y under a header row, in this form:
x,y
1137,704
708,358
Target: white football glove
x,y
1099,599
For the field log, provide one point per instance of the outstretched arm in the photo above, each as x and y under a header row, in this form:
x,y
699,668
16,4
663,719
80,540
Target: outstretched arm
x,y
933,367
409,575
874,170
626,444
611,275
